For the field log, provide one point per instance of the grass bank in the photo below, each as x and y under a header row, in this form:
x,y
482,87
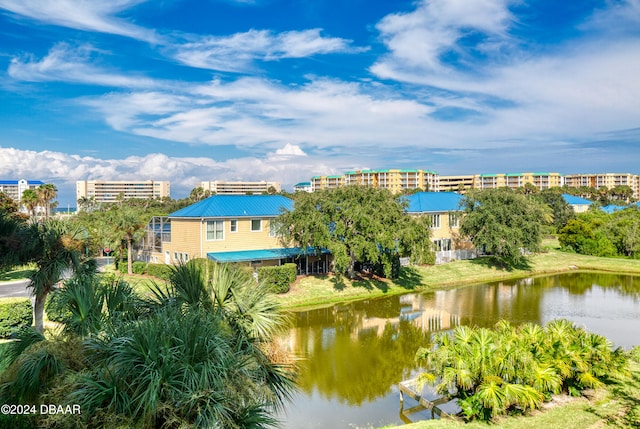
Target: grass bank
x,y
316,291
616,405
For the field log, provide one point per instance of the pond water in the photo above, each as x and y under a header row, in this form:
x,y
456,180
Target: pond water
x,y
354,355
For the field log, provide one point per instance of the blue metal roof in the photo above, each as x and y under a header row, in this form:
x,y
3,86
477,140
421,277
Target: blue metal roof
x,y
236,206
423,202
573,200
614,208
15,182
260,255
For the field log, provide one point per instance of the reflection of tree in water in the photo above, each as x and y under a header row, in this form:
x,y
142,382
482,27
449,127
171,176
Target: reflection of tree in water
x,y
360,366
356,352
581,283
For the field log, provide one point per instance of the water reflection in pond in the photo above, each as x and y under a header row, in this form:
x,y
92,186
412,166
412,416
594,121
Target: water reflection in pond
x,y
355,354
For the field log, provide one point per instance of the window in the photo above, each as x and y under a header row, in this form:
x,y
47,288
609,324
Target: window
x,y
442,245
233,225
435,221
186,257
256,225
273,228
215,230
453,220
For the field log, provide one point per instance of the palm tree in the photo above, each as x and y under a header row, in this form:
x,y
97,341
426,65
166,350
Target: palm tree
x,y
46,193
127,225
30,201
191,357
57,248
196,357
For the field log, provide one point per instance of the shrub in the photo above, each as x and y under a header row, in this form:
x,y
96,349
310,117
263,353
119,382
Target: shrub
x,y
161,271
278,277
139,267
15,314
55,309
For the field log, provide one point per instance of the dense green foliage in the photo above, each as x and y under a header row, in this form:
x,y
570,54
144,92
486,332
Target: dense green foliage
x,y
161,271
191,355
510,370
560,210
356,224
279,278
503,223
15,314
600,234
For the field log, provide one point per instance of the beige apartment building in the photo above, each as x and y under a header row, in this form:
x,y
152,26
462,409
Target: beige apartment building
x,y
109,191
610,180
395,180
491,181
326,182
220,187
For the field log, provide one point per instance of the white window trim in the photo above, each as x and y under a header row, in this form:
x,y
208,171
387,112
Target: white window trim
x,y
456,220
435,225
231,221
251,225
206,230
272,232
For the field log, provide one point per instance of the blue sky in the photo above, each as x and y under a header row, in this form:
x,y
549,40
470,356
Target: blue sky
x,y
191,90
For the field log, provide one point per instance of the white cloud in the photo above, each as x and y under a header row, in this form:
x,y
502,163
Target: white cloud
x,y
65,63
184,173
289,150
238,51
252,112
418,39
86,15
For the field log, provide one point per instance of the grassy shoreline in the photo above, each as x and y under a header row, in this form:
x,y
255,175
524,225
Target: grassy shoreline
x,y
317,291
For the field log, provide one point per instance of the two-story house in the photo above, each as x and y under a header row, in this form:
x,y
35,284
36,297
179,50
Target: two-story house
x,y
228,228
443,210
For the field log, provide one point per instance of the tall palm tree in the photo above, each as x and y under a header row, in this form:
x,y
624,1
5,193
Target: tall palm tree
x,y
127,225
57,249
46,193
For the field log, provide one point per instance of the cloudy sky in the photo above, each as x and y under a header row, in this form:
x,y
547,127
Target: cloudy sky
x,y
190,90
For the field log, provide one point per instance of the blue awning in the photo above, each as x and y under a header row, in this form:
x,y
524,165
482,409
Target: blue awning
x,y
261,255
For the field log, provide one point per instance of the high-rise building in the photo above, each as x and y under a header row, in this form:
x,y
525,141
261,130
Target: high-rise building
x,y
109,191
220,187
491,181
610,180
15,188
396,180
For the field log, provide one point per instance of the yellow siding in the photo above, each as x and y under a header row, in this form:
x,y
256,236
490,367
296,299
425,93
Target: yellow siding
x,y
190,236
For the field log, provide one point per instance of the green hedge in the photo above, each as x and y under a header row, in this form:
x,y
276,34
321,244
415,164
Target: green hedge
x,y
278,277
15,314
139,267
161,271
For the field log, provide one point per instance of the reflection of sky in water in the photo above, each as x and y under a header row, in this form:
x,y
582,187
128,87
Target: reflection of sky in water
x,y
603,311
351,348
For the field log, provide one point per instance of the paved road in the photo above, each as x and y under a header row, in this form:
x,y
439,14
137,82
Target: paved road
x,y
16,288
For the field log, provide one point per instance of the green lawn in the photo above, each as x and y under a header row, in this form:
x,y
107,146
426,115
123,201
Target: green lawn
x,y
19,273
321,290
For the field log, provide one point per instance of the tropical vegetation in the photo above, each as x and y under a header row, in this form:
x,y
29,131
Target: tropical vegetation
x,y
504,223
195,353
603,234
357,225
512,370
